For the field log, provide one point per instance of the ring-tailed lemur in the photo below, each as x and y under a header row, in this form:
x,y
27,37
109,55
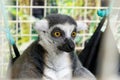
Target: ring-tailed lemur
x,y
52,57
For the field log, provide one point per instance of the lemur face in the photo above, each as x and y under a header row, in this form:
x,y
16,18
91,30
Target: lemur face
x,y
63,36
60,29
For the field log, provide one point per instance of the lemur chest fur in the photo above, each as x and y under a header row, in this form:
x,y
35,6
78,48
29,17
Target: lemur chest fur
x,y
59,67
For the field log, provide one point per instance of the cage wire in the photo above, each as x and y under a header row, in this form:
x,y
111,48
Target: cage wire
x,y
81,8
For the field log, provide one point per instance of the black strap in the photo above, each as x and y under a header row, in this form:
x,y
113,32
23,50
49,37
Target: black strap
x,y
88,55
17,54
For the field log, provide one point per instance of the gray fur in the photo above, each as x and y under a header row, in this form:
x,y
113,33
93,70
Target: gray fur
x,y
79,72
54,19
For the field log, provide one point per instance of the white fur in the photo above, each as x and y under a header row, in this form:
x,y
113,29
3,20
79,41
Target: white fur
x,y
81,26
41,25
61,67
47,43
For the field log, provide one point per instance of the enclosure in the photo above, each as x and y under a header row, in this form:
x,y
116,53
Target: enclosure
x,y
22,13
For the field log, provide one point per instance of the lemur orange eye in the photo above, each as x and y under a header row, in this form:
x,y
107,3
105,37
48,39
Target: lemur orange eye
x,y
73,34
57,34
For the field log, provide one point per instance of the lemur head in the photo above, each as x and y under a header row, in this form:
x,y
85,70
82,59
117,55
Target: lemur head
x,y
60,30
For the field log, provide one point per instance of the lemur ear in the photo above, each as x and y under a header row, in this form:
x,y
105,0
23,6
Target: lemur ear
x,y
41,25
81,26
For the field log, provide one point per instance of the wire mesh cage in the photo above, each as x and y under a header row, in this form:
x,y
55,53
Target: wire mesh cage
x,y
21,13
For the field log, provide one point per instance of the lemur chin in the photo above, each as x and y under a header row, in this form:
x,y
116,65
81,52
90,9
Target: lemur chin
x,y
52,56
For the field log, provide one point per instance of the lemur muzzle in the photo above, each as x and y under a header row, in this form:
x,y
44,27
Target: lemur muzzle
x,y
68,46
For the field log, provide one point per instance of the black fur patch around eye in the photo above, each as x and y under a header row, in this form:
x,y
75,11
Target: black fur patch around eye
x,y
56,29
75,30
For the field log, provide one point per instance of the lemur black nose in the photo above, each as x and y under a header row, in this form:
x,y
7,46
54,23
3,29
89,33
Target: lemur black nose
x,y
69,44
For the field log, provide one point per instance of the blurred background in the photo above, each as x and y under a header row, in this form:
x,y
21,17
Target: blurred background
x,y
20,20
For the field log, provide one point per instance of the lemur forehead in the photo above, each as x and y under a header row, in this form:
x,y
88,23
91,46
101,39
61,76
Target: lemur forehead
x,y
65,26
54,19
